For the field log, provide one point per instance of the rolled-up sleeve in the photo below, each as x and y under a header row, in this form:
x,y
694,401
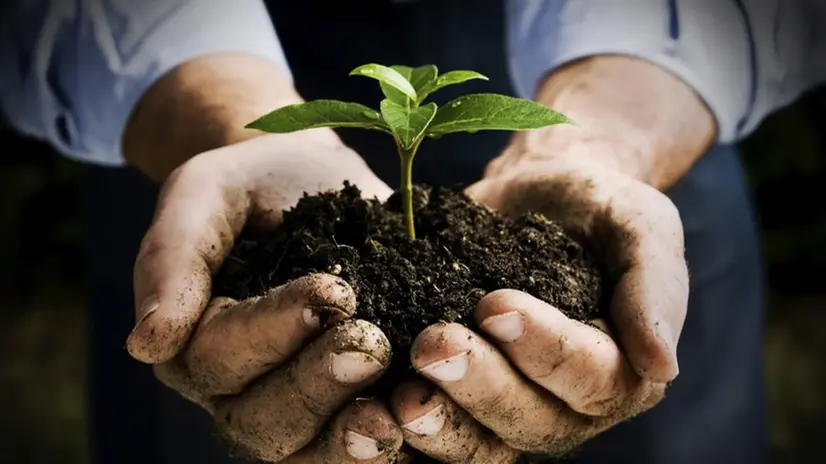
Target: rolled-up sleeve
x,y
71,71
744,58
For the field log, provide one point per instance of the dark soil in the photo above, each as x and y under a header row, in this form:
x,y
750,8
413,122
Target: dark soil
x,y
463,251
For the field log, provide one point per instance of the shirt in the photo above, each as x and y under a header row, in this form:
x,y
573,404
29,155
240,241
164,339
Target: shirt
x,y
71,71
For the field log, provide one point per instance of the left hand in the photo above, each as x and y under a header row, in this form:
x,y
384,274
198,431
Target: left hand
x,y
543,383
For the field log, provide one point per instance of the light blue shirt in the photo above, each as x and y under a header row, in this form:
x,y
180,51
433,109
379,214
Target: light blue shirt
x,y
71,71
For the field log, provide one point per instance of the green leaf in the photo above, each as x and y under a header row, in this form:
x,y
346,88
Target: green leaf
x,y
419,77
486,111
449,78
387,76
423,76
319,113
407,123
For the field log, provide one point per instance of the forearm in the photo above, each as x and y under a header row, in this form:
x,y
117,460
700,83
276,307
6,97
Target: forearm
x,y
204,104
631,115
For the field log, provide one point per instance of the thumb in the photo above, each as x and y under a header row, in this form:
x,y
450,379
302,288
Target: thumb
x,y
195,224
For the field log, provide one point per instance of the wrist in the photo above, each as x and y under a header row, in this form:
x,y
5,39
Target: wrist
x,y
631,116
574,145
205,104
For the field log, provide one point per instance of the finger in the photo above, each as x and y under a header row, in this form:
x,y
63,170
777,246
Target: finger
x,y
480,380
579,364
650,296
436,426
284,410
364,433
237,343
193,229
637,232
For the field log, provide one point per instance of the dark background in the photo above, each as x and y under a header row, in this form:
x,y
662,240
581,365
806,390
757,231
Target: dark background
x,y
42,310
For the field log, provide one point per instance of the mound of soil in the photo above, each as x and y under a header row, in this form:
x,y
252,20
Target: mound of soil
x,y
463,251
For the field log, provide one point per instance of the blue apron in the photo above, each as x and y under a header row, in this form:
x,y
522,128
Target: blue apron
x,y
715,411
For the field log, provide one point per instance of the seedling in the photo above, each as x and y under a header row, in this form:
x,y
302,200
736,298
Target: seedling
x,y
404,115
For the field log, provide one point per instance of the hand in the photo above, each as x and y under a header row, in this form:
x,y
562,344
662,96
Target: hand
x,y
248,363
543,383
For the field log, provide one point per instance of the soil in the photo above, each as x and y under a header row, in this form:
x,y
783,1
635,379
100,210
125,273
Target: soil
x,y
463,250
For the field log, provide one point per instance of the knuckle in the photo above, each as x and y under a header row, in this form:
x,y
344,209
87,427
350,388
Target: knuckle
x,y
247,433
244,438
560,437
644,397
310,402
174,376
497,402
598,401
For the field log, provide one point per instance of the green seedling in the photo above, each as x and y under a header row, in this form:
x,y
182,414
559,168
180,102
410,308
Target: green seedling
x,y
404,114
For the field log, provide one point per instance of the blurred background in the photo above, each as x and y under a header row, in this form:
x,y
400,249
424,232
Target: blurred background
x,y
42,281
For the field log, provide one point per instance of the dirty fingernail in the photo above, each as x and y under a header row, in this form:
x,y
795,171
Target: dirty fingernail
x,y
428,424
506,328
353,367
360,446
310,318
148,308
447,370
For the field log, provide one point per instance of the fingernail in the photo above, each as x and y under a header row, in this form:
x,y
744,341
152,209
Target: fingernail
x,y
148,308
353,367
428,424
360,446
447,370
666,334
506,328
310,318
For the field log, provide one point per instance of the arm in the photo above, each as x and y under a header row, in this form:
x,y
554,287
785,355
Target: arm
x,y
632,116
663,79
204,104
651,84
155,83
75,72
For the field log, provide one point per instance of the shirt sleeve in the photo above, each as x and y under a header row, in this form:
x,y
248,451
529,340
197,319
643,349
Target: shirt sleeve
x,y
745,58
71,71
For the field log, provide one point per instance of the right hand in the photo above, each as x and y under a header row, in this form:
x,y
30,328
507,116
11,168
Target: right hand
x,y
248,362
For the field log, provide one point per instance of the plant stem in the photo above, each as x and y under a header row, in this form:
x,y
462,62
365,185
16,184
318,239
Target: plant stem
x,y
407,156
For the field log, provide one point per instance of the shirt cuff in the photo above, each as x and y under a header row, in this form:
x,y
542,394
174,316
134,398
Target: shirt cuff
x,y
706,43
100,60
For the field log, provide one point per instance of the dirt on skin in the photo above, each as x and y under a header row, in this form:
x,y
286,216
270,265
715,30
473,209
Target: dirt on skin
x,y
463,250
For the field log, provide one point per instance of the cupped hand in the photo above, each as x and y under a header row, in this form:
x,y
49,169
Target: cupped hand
x,y
540,382
265,368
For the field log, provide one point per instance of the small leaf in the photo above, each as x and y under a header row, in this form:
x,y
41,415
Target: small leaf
x,y
423,76
319,113
487,111
418,77
449,78
408,124
388,76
